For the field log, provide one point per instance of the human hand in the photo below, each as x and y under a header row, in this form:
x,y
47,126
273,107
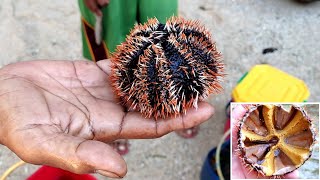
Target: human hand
x,y
239,171
96,5
62,114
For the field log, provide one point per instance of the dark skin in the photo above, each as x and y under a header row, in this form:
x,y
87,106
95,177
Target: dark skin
x,y
63,114
96,5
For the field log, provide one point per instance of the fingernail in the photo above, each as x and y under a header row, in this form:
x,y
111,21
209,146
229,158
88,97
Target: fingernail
x,y
108,174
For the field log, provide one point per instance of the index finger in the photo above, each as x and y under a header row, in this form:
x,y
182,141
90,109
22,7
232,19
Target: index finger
x,y
135,126
237,114
117,124
239,111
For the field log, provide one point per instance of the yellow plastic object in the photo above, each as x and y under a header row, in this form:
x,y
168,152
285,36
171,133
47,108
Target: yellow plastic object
x,y
264,83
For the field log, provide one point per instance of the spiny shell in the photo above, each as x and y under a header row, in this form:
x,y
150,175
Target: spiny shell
x,y
163,69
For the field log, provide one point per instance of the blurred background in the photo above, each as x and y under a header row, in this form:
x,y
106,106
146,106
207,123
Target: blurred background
x,y
243,29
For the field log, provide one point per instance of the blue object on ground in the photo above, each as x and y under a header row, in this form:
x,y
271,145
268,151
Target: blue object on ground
x,y
208,171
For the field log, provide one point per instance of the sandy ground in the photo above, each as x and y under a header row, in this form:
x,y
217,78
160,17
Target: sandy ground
x,y
31,29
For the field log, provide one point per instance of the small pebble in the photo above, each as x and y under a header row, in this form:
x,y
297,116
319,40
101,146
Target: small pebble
x,y
269,50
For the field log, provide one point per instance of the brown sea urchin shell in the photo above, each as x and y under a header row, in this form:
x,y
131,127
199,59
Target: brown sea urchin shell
x,y
163,69
273,141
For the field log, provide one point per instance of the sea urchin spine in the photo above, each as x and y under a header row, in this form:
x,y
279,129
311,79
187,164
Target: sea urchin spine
x,y
163,69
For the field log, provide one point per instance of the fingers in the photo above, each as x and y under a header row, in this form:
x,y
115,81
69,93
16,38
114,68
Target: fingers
x,y
93,6
103,3
77,155
238,112
237,167
135,126
96,5
236,115
105,66
292,175
237,172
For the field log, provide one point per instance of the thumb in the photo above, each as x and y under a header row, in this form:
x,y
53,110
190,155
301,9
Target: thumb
x,y
237,114
105,66
77,155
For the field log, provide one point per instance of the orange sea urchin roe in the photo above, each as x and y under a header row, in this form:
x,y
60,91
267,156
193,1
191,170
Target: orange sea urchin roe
x,y
274,141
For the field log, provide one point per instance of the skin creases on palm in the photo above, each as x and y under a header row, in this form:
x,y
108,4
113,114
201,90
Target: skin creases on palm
x,y
62,113
53,93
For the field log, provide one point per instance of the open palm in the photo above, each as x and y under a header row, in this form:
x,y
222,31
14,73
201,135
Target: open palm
x,y
62,114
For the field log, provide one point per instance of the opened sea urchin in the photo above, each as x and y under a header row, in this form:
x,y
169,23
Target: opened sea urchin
x,y
163,69
273,141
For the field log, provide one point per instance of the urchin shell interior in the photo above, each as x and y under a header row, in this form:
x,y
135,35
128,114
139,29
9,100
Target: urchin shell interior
x,y
274,141
163,69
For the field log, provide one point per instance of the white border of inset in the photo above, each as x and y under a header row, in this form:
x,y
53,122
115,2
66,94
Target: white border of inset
x,y
232,104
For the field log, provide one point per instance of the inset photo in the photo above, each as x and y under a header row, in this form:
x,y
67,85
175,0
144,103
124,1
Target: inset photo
x,y
275,141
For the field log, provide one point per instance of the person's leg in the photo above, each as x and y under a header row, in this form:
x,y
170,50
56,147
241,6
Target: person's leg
x,y
87,22
118,18
161,9
121,146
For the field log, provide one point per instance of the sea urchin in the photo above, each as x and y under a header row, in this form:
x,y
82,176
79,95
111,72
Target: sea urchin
x,y
163,69
273,141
